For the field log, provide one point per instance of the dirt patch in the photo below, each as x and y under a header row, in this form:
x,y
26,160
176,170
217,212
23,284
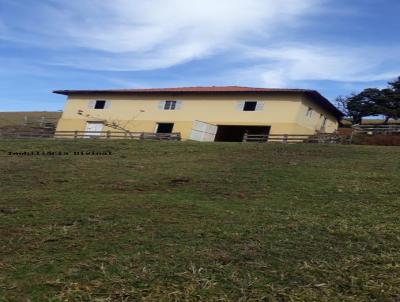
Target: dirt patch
x,y
8,210
180,181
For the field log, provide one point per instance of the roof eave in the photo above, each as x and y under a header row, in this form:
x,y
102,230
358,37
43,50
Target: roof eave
x,y
326,103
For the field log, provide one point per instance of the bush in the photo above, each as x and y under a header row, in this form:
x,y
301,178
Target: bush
x,y
377,139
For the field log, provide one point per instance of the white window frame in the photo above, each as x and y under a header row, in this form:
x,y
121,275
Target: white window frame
x,y
309,112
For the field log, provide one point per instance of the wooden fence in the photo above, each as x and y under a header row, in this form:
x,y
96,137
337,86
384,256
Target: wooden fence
x,y
293,138
104,135
376,129
93,135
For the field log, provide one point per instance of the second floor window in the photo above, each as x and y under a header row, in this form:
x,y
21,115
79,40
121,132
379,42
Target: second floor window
x,y
99,104
309,112
170,105
250,106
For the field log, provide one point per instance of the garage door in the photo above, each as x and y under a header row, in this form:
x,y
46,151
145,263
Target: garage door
x,y
203,132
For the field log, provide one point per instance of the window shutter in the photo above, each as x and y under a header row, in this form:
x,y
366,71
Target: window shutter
x,y
161,105
178,105
107,105
91,104
240,106
260,106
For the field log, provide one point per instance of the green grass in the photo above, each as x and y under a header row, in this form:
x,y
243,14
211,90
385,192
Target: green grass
x,y
199,222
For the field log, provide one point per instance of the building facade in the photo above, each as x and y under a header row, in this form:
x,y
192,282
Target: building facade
x,y
200,113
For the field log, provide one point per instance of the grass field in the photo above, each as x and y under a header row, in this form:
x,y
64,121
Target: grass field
x,y
159,221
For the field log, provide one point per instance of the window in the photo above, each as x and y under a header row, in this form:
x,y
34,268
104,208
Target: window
x,y
100,104
324,122
170,105
250,106
309,112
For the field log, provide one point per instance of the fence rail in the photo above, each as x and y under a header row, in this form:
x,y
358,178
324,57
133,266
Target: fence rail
x,y
292,138
93,135
376,129
260,138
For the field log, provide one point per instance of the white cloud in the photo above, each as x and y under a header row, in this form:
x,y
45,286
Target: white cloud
x,y
136,25
151,34
280,66
135,35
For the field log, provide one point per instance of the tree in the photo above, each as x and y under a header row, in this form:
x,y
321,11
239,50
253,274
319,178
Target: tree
x,y
389,104
358,106
114,124
373,102
395,85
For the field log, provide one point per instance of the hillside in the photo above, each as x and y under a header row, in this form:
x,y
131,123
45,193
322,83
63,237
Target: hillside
x,y
18,118
159,221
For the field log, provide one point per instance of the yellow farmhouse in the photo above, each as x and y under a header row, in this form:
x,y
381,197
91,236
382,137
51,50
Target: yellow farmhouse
x,y
200,113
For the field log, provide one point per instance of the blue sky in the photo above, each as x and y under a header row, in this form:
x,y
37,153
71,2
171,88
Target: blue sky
x,y
334,46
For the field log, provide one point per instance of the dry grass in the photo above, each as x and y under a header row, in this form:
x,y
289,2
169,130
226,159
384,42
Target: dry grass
x,y
377,139
8,119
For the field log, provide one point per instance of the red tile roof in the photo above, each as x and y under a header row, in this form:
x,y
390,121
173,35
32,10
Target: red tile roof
x,y
211,89
184,89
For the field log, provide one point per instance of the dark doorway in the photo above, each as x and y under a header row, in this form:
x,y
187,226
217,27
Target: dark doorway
x,y
236,133
165,127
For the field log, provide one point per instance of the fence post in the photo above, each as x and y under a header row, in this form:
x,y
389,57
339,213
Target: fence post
x,y
142,136
25,120
245,137
285,138
351,137
108,134
75,134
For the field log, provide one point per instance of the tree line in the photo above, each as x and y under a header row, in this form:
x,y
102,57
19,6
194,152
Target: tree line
x,y
372,102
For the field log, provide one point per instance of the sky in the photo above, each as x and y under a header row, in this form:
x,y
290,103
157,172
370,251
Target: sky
x,y
334,46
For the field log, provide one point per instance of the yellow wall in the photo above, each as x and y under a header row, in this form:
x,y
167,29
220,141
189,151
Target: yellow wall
x,y
314,123
283,112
